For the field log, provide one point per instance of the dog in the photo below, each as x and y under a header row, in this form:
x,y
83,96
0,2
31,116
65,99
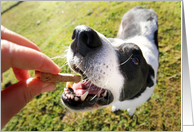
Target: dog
x,y
121,71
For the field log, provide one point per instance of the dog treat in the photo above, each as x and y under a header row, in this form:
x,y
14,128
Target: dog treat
x,y
48,77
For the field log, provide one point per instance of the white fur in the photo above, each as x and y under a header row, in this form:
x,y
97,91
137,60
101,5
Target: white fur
x,y
106,55
150,53
113,73
148,28
113,80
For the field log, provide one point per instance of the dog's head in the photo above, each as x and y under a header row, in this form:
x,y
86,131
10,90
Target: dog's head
x,y
111,72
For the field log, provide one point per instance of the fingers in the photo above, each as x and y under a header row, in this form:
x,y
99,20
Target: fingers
x,y
22,55
16,96
13,55
21,74
16,38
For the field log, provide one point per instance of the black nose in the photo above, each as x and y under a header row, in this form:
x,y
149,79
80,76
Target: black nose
x,y
85,40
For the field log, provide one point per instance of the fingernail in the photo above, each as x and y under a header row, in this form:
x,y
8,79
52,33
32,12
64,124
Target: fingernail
x,y
48,87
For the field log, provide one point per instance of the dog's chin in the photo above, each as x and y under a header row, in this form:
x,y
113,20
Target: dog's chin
x,y
84,96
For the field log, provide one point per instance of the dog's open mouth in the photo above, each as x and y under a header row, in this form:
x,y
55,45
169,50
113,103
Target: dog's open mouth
x,y
85,94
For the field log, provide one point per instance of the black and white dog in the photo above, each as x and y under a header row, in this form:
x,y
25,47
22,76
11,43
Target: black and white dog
x,y
116,71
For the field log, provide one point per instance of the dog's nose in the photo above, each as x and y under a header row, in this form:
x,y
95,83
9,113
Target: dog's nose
x,y
85,40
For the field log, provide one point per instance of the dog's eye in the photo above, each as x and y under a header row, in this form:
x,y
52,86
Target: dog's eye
x,y
135,61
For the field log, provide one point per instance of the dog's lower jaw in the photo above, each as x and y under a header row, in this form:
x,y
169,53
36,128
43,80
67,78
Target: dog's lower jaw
x,y
85,95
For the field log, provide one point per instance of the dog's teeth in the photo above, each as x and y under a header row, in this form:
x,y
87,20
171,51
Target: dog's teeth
x,y
65,89
76,98
104,94
83,97
68,96
66,92
68,85
72,96
83,81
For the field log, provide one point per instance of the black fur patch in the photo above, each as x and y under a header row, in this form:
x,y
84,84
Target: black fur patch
x,y
150,82
137,77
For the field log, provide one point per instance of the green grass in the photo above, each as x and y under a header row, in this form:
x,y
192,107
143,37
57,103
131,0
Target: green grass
x,y
53,35
5,5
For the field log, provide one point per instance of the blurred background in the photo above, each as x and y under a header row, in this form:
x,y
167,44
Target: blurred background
x,y
50,24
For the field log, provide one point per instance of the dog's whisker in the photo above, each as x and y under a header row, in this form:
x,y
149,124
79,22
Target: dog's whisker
x,y
84,72
107,82
77,66
66,50
93,97
99,91
59,56
66,63
96,95
84,80
126,60
90,85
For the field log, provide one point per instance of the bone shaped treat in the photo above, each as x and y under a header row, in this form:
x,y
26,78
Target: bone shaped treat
x,y
60,77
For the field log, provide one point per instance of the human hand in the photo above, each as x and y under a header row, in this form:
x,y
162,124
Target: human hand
x,y
22,55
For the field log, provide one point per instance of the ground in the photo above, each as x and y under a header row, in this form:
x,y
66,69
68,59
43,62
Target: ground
x,y
50,26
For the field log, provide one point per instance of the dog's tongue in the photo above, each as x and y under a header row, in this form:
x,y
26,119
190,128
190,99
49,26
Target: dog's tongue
x,y
81,87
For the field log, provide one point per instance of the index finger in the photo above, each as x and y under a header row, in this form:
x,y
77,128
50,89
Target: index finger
x,y
13,55
16,38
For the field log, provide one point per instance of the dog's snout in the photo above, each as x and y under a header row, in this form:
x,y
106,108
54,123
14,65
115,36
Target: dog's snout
x,y
85,40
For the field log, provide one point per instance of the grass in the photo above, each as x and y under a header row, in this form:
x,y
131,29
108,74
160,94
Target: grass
x,y
53,35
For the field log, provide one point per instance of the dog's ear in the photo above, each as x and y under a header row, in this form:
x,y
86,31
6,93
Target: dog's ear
x,y
150,81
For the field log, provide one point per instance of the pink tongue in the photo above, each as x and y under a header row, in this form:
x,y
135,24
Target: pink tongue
x,y
81,87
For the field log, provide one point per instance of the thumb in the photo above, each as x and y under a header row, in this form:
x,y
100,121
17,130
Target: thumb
x,y
16,96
